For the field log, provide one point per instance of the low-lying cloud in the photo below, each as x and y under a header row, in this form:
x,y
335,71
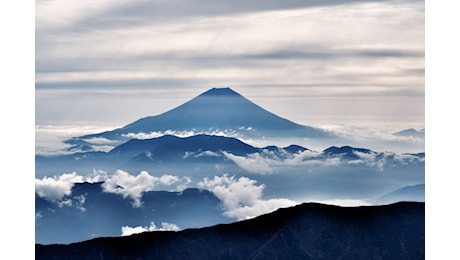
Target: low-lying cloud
x,y
59,188
242,197
266,163
182,134
269,162
165,226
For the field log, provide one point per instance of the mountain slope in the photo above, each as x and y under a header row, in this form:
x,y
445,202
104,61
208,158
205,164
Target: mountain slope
x,y
218,109
307,231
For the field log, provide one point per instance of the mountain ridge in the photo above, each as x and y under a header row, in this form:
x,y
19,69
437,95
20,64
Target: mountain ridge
x,y
314,231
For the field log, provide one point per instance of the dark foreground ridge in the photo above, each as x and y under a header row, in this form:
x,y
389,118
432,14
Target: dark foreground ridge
x,y
306,231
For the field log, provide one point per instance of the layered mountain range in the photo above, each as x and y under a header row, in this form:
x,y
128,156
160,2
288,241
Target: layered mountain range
x,y
90,211
147,154
190,168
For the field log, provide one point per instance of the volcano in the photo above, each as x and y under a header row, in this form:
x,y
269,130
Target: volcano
x,y
218,110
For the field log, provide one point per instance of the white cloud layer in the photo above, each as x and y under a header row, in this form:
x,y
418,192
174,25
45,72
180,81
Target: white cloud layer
x,y
165,226
242,197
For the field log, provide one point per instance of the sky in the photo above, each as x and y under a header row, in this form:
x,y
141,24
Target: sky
x,y
314,62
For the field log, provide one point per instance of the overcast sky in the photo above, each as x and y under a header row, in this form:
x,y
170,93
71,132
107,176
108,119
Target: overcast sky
x,y
314,62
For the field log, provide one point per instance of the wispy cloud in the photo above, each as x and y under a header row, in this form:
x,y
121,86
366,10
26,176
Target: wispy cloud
x,y
77,201
255,163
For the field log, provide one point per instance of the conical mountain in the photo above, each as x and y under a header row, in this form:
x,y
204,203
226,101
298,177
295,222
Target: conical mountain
x,y
217,110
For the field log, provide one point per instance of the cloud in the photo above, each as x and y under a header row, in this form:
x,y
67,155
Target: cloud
x,y
130,186
269,163
377,138
380,160
258,208
165,226
57,187
100,141
185,133
49,138
79,202
185,182
65,13
168,179
315,48
97,176
242,197
254,163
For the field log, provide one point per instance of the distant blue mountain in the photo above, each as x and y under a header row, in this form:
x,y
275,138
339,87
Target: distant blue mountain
x,y
216,109
175,148
295,148
346,152
93,212
411,133
407,193
137,154
201,153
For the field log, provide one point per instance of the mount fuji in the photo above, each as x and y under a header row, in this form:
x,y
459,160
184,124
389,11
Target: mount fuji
x,y
216,110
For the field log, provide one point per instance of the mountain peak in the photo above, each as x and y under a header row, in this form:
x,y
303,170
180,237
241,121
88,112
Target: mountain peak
x,y
220,92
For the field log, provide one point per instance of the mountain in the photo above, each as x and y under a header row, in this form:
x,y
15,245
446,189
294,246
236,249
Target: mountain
x,y
198,155
91,211
306,231
142,154
216,110
411,133
346,152
175,148
407,193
